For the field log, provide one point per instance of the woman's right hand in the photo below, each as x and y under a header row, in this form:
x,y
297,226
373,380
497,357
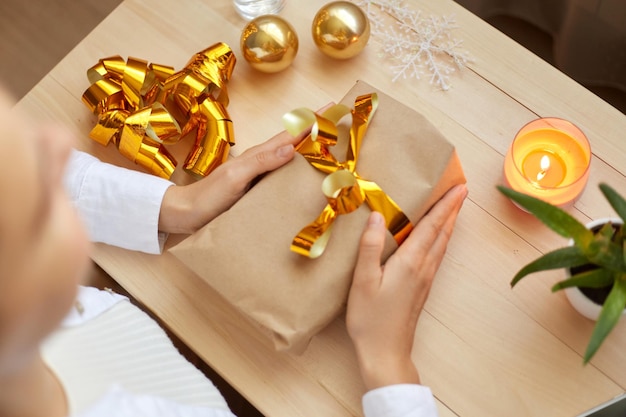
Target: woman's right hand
x,y
385,301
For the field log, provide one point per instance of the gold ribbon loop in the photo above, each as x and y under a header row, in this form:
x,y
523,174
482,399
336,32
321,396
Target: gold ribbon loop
x,y
343,192
142,106
156,158
161,126
136,81
112,67
161,72
108,127
344,189
209,151
312,240
104,95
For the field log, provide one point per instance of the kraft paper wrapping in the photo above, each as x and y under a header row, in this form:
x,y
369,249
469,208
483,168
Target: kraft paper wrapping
x,y
245,253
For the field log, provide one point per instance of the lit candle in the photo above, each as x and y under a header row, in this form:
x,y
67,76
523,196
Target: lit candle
x,y
549,159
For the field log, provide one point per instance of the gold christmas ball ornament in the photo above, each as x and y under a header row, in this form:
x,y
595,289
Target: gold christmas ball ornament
x,y
341,29
269,43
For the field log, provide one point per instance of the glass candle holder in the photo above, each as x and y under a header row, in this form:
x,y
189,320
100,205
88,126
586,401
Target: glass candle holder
x,y
549,159
250,9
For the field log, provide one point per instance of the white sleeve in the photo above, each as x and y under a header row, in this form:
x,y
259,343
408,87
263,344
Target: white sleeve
x,y
402,400
119,206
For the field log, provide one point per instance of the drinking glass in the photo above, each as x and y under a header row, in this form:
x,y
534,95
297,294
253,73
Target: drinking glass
x,y
249,9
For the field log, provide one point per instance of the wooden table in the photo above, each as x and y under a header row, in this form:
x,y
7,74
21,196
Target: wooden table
x,y
485,350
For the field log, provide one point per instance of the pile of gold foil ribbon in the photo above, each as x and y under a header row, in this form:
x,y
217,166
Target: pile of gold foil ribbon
x,y
141,107
344,189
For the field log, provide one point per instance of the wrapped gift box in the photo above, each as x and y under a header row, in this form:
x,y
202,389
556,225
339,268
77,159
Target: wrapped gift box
x,y
245,253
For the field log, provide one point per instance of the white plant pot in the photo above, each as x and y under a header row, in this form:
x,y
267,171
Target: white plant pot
x,y
582,304
576,297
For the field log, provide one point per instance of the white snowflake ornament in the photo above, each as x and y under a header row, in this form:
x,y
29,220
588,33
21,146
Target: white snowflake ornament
x,y
415,45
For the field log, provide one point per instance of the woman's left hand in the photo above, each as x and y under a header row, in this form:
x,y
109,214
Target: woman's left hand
x,y
187,208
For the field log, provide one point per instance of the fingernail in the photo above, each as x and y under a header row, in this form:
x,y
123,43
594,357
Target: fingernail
x,y
375,219
461,190
284,151
465,191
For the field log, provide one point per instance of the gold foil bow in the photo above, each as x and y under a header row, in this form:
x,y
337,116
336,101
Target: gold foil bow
x,y
344,189
141,107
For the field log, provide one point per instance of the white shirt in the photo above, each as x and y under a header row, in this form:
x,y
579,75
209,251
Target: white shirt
x,y
121,207
118,206
110,355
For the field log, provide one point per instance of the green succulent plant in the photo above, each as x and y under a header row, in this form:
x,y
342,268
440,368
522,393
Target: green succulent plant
x,y
604,252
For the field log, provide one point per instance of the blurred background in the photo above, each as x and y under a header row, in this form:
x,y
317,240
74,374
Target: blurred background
x,y
586,39
36,34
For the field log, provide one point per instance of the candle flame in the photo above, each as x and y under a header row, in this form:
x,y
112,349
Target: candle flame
x,y
545,166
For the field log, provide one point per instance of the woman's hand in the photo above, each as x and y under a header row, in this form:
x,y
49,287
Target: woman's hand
x,y
385,301
187,208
